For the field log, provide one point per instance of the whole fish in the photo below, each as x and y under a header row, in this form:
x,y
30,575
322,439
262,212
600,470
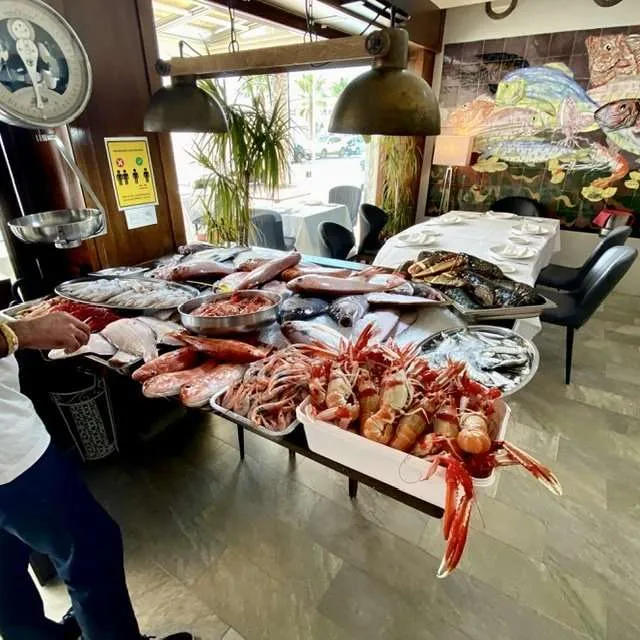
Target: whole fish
x,y
332,287
405,321
178,360
251,263
201,390
300,332
133,337
348,310
194,270
230,282
163,329
611,56
384,324
194,247
621,114
222,350
169,384
276,286
314,269
298,308
268,271
383,299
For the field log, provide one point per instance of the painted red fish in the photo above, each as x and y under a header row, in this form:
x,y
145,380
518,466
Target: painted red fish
x,y
620,114
611,56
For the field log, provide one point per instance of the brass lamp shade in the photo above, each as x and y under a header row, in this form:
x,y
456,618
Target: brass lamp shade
x,y
184,107
387,99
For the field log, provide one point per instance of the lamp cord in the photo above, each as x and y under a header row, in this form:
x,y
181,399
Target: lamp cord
x,y
372,21
310,33
234,45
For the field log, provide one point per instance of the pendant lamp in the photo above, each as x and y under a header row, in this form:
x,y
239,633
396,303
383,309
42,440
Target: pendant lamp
x,y
387,99
183,106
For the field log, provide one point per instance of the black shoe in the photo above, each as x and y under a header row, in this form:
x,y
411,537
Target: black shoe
x,y
70,626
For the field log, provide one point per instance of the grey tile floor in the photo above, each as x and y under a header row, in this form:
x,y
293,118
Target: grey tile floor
x,y
266,550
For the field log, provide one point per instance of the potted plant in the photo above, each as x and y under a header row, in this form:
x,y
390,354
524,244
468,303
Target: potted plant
x,y
399,167
255,153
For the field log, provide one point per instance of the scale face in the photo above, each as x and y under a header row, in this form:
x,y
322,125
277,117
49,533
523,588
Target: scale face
x,y
45,74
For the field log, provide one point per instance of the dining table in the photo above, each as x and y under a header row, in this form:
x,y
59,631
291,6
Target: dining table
x,y
479,234
301,222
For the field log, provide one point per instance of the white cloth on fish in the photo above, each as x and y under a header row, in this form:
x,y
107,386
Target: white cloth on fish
x,y
301,222
476,236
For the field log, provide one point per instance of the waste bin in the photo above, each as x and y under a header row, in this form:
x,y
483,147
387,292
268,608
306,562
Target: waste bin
x,y
88,415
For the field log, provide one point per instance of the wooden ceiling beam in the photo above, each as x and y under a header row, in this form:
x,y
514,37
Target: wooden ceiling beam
x,y
278,16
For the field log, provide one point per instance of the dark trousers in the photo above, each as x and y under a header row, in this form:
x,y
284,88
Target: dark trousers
x,y
49,508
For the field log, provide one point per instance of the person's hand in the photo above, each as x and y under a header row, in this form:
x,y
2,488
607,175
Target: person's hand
x,y
57,330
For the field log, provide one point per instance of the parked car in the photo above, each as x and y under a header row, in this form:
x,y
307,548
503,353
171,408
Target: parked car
x,y
332,145
301,153
355,146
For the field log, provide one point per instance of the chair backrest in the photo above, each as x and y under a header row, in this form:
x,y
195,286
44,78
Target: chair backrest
x,y
339,240
266,230
349,196
602,279
520,206
615,238
376,218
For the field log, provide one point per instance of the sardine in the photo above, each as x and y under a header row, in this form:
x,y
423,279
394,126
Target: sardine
x,y
268,271
133,337
169,384
348,310
298,308
178,360
201,390
300,332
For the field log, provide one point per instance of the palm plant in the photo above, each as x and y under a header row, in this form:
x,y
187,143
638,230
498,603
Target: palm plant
x,y
314,98
254,153
399,167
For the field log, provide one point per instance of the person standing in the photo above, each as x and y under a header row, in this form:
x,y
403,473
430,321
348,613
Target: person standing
x,y
45,506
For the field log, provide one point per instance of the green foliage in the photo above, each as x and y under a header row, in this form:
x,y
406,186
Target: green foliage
x,y
400,164
314,96
255,152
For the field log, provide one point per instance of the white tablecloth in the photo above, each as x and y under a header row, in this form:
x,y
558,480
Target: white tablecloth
x,y
302,223
476,236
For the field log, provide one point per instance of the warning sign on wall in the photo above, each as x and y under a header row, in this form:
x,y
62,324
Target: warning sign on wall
x,y
131,172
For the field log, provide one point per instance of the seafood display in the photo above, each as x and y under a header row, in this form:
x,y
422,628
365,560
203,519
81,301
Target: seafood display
x,y
494,356
348,310
271,389
471,282
163,329
194,270
296,307
127,293
132,338
178,360
392,396
166,385
233,306
299,332
383,323
268,271
333,287
198,392
97,318
383,299
232,351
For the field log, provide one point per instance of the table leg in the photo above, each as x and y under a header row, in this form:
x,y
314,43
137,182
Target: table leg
x,y
292,457
353,488
241,440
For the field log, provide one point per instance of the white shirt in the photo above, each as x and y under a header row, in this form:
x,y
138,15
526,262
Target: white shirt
x,y
23,437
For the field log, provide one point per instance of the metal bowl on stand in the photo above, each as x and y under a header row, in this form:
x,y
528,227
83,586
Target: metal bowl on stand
x,y
65,228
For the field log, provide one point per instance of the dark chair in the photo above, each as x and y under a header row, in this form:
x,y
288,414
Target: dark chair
x,y
375,218
350,197
570,278
267,231
338,239
575,308
519,205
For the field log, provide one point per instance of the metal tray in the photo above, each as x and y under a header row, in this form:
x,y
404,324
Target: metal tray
x,y
502,313
245,422
192,291
499,332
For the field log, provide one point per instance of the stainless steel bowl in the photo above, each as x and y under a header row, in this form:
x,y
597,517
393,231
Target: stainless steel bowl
x,y
221,325
64,228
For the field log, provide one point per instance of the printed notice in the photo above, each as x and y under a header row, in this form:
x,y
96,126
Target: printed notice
x,y
131,172
141,216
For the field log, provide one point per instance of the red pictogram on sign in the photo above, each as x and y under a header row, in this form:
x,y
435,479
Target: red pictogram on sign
x,y
119,163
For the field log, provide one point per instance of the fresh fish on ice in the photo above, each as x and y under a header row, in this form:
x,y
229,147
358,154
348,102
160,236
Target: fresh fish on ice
x,y
384,323
348,310
133,337
302,332
405,321
178,360
298,308
383,299
169,384
200,391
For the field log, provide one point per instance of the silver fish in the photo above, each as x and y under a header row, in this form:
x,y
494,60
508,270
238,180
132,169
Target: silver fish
x,y
298,308
384,323
348,310
133,337
301,332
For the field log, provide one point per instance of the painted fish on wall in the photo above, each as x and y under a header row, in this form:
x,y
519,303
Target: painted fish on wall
x,y
612,56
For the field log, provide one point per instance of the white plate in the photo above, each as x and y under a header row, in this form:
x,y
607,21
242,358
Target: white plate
x,y
469,215
526,253
500,215
444,219
530,229
507,268
415,239
519,240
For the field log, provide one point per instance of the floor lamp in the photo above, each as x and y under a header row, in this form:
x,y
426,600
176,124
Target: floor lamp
x,y
451,151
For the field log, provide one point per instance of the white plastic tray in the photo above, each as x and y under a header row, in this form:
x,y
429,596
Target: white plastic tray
x,y
238,419
394,467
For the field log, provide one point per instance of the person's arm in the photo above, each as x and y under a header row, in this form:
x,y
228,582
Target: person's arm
x,y
57,330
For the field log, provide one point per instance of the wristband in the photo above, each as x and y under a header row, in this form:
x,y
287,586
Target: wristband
x,y
10,338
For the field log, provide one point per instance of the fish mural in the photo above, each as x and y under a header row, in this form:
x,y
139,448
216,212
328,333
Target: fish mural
x,y
569,137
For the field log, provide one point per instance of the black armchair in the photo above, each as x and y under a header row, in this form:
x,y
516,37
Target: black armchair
x,y
570,278
338,239
520,205
376,219
576,307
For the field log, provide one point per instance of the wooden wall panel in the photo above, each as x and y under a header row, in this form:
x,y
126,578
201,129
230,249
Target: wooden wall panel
x,y
115,34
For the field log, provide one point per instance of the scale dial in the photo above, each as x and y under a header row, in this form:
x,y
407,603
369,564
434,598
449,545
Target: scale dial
x,y
45,74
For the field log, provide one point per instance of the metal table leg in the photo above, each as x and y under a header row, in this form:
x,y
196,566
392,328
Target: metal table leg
x,y
241,440
353,488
